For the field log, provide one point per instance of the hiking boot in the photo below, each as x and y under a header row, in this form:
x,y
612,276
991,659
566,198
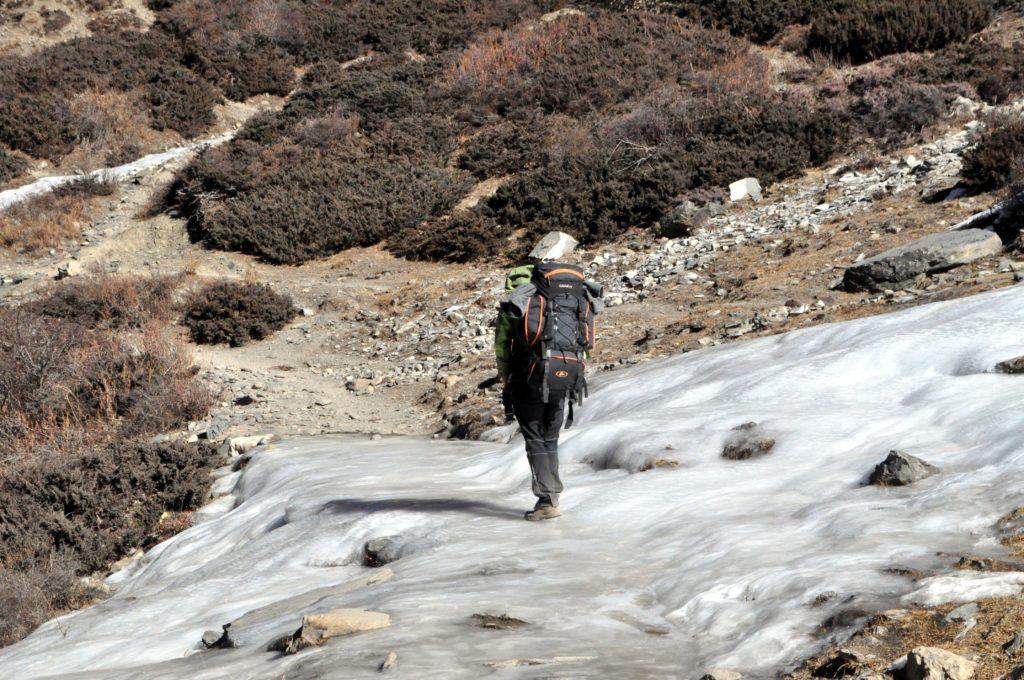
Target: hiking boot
x,y
543,512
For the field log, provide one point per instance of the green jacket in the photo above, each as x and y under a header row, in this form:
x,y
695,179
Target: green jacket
x,y
503,331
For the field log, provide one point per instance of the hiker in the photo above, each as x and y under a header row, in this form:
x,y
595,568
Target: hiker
x,y
545,329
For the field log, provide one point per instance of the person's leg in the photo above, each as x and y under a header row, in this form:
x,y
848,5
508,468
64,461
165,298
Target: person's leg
x,y
554,416
534,420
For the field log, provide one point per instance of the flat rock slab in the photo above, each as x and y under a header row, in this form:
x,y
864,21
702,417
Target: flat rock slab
x,y
931,254
319,628
255,626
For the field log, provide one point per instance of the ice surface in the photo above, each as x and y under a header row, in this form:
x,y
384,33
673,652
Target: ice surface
x,y
120,173
655,574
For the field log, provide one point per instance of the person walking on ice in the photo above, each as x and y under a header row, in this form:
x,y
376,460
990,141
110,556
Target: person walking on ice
x,y
544,333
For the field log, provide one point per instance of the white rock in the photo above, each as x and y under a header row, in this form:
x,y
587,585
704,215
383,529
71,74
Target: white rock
x,y
745,188
555,245
932,663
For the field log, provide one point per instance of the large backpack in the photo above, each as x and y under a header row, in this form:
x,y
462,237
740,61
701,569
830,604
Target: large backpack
x,y
556,331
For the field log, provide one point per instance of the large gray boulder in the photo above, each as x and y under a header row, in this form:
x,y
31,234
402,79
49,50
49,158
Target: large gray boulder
x,y
932,663
933,253
1013,366
901,469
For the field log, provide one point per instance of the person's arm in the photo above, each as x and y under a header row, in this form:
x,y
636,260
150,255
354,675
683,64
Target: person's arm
x,y
503,345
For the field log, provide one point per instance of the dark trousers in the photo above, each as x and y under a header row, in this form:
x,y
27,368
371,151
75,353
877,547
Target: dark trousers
x,y
541,424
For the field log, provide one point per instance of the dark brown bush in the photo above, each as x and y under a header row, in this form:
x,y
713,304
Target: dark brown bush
x,y
510,146
896,112
236,313
863,30
994,71
11,165
463,237
756,20
315,205
991,164
54,20
64,517
111,301
39,125
181,101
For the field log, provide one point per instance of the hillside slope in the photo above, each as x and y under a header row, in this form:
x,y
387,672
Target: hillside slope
x,y
700,562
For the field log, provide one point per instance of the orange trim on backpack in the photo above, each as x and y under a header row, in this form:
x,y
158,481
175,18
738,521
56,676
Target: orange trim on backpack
x,y
526,320
575,273
530,374
540,324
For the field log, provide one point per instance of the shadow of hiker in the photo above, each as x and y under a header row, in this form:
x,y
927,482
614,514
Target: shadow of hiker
x,y
481,508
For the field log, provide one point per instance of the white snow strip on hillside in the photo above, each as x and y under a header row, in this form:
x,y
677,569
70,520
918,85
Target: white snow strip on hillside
x,y
121,173
658,574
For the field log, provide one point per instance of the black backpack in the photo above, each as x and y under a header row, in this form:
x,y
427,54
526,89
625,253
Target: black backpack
x,y
555,333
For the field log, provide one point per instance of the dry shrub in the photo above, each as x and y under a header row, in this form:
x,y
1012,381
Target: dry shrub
x,y
991,164
756,20
50,219
111,301
236,313
64,386
463,237
896,112
508,147
38,124
114,22
54,20
31,596
862,30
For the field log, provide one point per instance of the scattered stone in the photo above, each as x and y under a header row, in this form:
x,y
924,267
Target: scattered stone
x,y
360,385
933,253
747,441
1013,366
306,311
681,220
963,613
721,674
68,269
823,598
555,245
213,639
245,400
744,189
381,551
1016,644
513,663
900,469
317,629
840,664
501,622
659,464
932,663
389,662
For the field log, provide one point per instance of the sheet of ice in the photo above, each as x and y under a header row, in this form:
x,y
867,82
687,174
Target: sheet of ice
x,y
965,587
648,575
121,173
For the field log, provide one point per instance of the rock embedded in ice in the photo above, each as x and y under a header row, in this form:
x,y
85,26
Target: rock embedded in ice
x,y
747,441
1013,366
378,552
932,663
389,662
900,469
721,674
212,638
499,622
319,628
963,613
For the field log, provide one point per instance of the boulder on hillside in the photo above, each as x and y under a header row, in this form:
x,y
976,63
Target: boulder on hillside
x,y
747,441
745,188
933,253
932,663
840,664
378,552
900,469
319,628
555,245
1012,366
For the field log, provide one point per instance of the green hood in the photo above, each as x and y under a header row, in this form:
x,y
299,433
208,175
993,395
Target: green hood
x,y
518,276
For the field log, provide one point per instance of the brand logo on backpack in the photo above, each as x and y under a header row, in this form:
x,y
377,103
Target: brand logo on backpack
x,y
561,374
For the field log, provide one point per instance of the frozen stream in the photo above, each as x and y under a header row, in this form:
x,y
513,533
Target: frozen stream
x,y
121,173
658,574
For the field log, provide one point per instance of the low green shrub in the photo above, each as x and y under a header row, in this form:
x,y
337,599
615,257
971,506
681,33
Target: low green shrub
x,y
236,313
